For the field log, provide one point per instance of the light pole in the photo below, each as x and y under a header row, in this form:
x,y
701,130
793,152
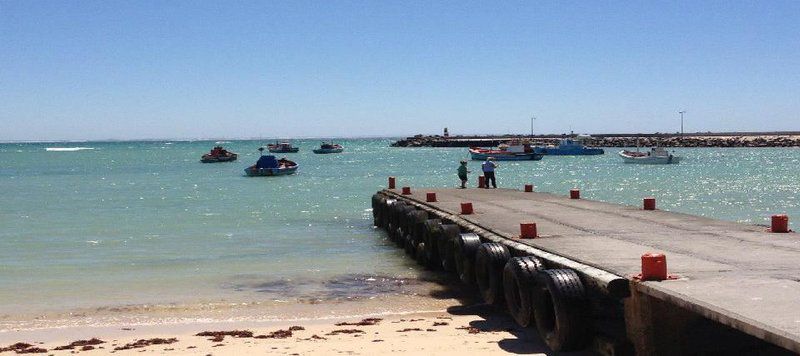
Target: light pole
x,y
533,120
682,112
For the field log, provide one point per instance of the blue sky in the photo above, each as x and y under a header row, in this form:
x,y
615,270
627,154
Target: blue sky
x,y
204,69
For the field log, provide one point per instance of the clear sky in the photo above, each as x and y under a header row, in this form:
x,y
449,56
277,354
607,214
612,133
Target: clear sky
x,y
207,69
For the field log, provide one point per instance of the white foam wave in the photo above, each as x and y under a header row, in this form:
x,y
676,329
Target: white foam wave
x,y
67,149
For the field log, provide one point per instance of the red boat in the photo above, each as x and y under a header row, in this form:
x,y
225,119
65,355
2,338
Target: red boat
x,y
218,154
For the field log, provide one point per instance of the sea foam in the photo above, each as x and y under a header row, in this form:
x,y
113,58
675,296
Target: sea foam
x,y
67,149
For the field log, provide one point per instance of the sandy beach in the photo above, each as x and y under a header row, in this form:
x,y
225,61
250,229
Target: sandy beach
x,y
455,330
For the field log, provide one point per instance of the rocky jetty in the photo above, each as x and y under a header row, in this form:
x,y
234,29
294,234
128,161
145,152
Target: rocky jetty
x,y
766,139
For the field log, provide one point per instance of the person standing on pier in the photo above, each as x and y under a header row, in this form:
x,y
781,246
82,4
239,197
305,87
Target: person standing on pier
x,y
462,174
488,172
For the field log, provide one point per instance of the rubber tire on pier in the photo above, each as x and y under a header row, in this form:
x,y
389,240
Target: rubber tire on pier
x,y
402,224
419,253
378,202
409,246
417,225
560,308
519,281
433,230
394,220
447,237
490,260
385,210
465,247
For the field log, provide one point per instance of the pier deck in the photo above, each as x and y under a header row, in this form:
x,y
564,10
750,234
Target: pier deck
x,y
739,275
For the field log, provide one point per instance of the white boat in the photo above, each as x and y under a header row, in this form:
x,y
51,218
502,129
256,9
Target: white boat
x,y
656,155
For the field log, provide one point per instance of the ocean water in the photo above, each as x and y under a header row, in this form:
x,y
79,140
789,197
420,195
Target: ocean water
x,y
121,225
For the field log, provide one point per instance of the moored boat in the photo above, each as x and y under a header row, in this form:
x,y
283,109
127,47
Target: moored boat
x,y
656,155
218,154
267,166
513,151
327,147
282,147
569,147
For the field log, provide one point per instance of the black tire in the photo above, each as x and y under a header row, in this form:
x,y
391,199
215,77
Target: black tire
x,y
448,234
384,212
402,222
394,213
419,254
490,260
378,202
465,246
433,230
409,246
519,281
561,309
405,219
416,226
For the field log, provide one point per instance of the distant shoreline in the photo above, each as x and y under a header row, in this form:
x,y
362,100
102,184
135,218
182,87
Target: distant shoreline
x,y
695,139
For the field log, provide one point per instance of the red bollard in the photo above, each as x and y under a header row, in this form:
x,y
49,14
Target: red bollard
x,y
391,182
528,188
649,203
527,231
654,267
466,208
406,190
574,194
481,182
430,197
780,223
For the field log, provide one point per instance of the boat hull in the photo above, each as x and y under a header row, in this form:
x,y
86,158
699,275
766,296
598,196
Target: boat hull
x,y
649,159
328,150
219,159
555,151
269,172
505,156
284,150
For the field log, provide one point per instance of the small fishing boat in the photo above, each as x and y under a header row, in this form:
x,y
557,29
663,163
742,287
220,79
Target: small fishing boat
x,y
218,154
656,155
569,147
282,147
512,151
327,147
270,166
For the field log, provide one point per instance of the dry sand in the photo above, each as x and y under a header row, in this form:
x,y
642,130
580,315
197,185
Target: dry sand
x,y
457,330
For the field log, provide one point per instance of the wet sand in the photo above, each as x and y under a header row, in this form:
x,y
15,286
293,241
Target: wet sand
x,y
457,329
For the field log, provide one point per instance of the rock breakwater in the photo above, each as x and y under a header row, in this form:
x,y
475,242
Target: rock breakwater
x,y
787,139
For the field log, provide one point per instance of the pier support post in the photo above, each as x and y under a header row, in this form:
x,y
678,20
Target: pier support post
x,y
574,193
392,181
528,188
406,190
656,327
466,208
481,182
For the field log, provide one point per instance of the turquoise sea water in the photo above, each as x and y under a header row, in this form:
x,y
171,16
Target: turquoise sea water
x,y
132,223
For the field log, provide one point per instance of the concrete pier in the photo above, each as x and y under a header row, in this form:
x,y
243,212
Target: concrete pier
x,y
739,276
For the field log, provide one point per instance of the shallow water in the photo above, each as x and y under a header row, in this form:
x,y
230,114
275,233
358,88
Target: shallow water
x,y
89,226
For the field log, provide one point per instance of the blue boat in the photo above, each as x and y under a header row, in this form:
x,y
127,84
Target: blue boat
x,y
269,166
568,147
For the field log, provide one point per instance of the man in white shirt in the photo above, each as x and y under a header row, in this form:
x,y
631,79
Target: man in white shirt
x,y
488,171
